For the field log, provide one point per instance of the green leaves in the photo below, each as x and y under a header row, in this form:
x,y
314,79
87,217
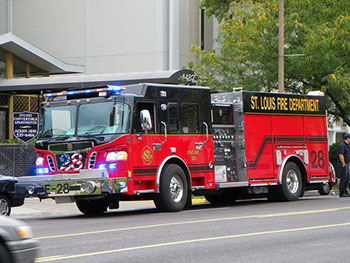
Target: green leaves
x,y
248,53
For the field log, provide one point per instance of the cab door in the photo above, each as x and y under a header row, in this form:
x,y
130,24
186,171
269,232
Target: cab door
x,y
145,156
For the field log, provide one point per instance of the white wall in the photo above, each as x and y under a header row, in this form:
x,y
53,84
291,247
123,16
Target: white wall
x,y
107,36
189,29
122,36
56,27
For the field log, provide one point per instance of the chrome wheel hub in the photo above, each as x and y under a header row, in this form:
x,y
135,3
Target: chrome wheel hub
x,y
176,188
4,207
292,181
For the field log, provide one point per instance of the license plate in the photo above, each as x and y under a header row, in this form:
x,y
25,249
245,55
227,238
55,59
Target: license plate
x,y
68,188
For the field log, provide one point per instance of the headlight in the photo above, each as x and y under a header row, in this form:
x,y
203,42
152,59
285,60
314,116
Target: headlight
x,y
24,231
116,156
39,161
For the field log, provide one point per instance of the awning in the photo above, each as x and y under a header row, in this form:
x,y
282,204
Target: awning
x,y
80,81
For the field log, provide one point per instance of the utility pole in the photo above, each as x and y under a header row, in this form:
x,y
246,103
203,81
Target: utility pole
x,y
281,47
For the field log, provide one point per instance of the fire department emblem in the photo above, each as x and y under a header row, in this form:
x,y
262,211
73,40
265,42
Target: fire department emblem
x,y
147,155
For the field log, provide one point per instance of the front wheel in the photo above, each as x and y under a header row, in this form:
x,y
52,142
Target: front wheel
x,y
292,184
5,206
173,189
92,206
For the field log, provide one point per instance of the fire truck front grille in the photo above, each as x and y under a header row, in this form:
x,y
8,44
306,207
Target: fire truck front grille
x,y
92,160
70,146
51,163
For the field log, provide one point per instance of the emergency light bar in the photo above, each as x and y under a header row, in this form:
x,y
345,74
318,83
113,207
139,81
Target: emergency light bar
x,y
115,89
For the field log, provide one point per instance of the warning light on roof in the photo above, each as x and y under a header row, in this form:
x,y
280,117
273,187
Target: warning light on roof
x,y
112,88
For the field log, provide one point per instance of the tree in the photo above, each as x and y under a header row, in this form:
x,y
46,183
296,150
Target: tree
x,y
248,48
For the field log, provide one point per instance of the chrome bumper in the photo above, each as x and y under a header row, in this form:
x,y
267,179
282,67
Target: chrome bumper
x,y
87,182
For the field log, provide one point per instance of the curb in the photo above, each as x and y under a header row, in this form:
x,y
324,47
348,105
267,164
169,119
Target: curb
x,y
199,201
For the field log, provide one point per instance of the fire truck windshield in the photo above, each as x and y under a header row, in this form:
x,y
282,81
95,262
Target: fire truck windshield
x,y
91,119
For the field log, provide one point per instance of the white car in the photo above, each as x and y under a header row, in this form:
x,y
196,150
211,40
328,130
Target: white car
x,y
16,242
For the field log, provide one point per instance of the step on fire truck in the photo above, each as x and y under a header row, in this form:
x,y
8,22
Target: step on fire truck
x,y
100,146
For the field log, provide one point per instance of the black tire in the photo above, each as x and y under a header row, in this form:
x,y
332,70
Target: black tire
x,y
5,206
292,184
215,199
4,254
325,189
173,189
92,206
223,198
273,194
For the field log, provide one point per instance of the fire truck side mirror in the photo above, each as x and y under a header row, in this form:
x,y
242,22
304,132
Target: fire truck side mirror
x,y
146,122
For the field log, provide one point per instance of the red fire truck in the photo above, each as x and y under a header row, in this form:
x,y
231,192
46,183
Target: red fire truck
x,y
100,146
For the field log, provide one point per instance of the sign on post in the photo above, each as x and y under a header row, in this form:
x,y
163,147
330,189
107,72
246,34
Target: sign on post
x,y
25,125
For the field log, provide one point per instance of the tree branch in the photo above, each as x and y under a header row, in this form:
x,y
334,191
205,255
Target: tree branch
x,y
342,112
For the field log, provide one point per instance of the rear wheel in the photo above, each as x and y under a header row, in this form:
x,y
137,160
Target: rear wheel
x,y
292,184
325,189
5,206
92,206
173,189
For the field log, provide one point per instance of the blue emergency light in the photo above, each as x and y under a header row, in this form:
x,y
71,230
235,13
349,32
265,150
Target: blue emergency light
x,y
110,166
114,88
102,166
42,170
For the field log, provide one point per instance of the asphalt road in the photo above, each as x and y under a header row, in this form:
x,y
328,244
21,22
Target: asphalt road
x,y
313,229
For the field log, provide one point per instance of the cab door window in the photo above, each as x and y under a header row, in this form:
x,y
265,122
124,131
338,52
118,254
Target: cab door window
x,y
173,118
190,118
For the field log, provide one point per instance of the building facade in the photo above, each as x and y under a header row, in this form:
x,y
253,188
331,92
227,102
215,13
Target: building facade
x,y
42,38
111,36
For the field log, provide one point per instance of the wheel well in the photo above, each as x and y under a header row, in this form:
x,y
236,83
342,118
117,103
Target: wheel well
x,y
7,195
183,166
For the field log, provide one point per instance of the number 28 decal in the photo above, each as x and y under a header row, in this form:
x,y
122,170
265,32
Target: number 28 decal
x,y
71,163
317,159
